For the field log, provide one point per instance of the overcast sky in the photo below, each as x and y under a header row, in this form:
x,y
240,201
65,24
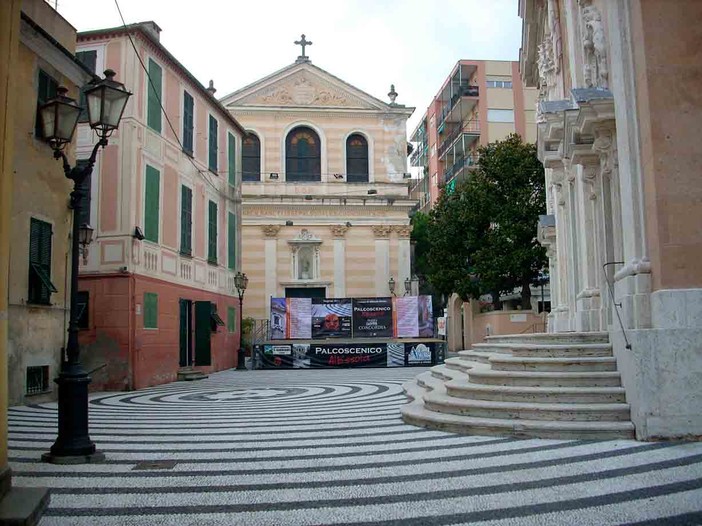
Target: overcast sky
x,y
368,43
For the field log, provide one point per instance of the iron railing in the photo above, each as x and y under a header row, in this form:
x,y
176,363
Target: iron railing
x,y
617,306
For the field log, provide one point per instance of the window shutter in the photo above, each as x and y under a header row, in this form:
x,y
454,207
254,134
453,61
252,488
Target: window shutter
x,y
40,286
231,319
150,310
89,60
231,241
151,200
188,122
186,220
153,115
203,332
231,152
212,158
46,89
86,188
212,231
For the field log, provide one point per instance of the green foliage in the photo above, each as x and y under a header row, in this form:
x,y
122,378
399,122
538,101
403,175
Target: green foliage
x,y
247,326
483,235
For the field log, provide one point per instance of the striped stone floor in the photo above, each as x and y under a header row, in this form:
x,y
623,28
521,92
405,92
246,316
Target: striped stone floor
x,y
322,447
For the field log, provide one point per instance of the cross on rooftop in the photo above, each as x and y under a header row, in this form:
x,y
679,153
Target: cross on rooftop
x,y
303,42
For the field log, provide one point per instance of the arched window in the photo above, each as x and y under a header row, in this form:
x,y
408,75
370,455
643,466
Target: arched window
x,y
251,158
302,155
356,159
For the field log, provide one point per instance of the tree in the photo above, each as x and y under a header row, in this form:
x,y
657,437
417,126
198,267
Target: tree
x,y
483,234
420,262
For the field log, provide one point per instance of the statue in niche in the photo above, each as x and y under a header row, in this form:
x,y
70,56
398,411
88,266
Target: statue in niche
x,y
595,59
304,269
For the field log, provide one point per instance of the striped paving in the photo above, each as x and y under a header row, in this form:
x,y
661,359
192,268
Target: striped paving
x,y
321,447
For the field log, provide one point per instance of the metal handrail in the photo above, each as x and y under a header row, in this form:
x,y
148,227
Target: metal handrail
x,y
617,306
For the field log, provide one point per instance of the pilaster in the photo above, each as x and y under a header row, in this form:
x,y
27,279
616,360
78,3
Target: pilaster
x,y
339,235
270,233
382,258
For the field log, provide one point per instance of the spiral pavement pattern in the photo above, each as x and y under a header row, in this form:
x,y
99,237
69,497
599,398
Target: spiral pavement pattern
x,y
318,447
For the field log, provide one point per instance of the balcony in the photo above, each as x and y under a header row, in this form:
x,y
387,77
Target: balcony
x,y
459,169
470,130
460,103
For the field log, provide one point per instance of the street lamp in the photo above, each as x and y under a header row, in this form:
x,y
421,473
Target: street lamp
x,y
59,116
408,285
241,281
391,285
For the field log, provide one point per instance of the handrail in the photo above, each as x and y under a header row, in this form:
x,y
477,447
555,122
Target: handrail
x,y
617,306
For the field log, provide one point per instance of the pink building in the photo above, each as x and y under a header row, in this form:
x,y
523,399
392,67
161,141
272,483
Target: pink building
x,y
481,101
158,279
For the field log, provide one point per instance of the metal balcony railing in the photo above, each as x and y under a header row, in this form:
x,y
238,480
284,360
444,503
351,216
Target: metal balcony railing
x,y
468,127
458,165
464,90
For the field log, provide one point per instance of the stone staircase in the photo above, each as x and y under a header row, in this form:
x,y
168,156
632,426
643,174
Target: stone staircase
x,y
563,385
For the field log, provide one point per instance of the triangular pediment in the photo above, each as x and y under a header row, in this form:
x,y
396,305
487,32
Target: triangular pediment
x,y
303,85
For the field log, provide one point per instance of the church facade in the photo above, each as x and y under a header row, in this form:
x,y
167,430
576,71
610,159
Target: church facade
x,y
618,108
325,188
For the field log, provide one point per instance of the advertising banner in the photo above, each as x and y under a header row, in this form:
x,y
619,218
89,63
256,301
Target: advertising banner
x,y
277,357
347,355
418,353
425,313
331,318
405,317
279,317
299,318
372,318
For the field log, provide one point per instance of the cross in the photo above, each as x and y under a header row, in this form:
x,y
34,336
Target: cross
x,y
303,43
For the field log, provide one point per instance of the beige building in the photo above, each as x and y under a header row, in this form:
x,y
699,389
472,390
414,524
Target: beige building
x,y
619,121
325,188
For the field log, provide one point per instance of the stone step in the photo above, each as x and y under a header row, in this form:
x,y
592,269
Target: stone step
x,y
511,393
549,379
575,364
564,350
417,414
188,374
444,403
459,364
560,337
475,356
442,372
505,348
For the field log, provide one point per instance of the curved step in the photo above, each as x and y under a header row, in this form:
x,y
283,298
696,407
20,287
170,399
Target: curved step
x,y
552,337
575,364
561,350
446,374
549,379
512,393
444,403
475,356
459,364
417,414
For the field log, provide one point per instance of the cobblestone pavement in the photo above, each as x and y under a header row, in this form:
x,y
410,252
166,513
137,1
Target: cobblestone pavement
x,y
328,447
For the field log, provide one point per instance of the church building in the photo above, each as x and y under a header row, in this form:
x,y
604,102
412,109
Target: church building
x,y
325,187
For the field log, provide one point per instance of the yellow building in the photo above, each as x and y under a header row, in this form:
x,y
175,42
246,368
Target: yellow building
x,y
325,188
37,47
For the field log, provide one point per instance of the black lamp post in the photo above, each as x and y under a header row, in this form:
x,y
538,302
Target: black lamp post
x,y
106,101
391,285
408,285
241,281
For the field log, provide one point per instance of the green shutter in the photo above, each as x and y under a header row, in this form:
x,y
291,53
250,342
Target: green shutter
x,y
231,152
212,158
40,286
188,122
212,233
46,89
231,241
203,332
231,319
153,103
150,310
152,204
186,220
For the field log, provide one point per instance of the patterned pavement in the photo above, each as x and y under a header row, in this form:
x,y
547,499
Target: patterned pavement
x,y
318,447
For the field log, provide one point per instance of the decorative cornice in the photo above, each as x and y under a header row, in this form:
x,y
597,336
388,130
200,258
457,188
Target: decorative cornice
x,y
382,231
270,230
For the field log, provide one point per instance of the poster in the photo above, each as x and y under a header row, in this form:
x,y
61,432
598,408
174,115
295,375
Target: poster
x,y
299,318
331,318
405,317
279,315
395,354
372,318
418,353
425,317
277,357
348,355
300,358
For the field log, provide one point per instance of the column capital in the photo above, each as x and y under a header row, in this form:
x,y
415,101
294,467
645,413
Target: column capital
x,y
338,231
404,231
270,230
382,231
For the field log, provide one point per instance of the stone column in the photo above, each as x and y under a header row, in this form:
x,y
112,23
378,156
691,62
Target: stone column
x,y
382,259
561,309
404,258
270,233
339,235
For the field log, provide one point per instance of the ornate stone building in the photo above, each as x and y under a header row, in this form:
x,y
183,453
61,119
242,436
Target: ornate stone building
x,y
617,113
325,187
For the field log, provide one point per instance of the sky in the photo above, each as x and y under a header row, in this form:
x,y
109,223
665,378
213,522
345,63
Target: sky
x,y
370,44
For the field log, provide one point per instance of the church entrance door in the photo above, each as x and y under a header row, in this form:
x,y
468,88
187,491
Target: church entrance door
x,y
305,292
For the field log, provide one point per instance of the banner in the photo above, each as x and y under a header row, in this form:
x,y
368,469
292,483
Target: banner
x,y
331,318
405,318
372,318
279,318
418,353
347,355
425,317
277,357
299,318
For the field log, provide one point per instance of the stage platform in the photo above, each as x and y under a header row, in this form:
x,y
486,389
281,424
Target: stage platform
x,y
349,352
